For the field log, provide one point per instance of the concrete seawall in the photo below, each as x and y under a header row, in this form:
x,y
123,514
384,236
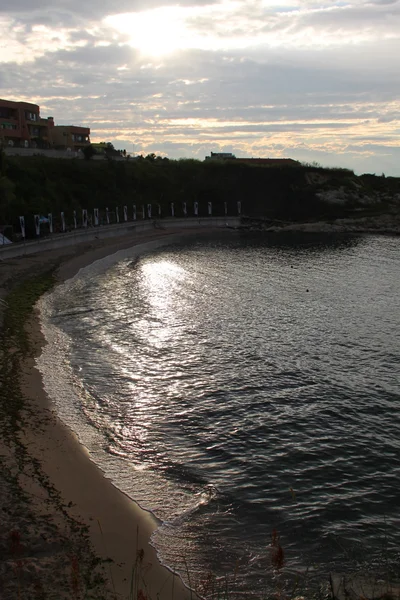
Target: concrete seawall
x,y
78,236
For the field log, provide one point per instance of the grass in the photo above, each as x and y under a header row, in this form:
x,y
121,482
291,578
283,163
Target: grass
x,y
15,347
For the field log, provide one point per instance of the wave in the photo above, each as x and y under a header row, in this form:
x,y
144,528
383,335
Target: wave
x,y
278,413
74,313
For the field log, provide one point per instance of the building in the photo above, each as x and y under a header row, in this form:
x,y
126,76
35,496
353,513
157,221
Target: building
x,y
270,162
100,147
70,137
221,156
21,125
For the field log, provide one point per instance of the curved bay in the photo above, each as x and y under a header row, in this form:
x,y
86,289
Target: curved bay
x,y
248,384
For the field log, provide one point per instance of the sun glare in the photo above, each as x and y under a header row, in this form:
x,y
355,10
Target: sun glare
x,y
154,32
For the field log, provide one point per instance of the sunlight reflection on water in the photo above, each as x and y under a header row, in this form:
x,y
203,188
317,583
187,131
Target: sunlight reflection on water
x,y
228,374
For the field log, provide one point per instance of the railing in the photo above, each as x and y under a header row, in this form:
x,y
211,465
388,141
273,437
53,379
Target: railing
x,y
82,235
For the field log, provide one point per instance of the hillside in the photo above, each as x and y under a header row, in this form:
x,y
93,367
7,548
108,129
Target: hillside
x,y
292,195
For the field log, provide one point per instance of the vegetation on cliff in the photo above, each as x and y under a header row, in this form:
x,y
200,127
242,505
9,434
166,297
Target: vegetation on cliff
x,y
40,185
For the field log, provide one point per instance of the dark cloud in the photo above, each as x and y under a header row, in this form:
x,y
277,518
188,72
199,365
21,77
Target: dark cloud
x,y
384,2
386,16
72,12
238,90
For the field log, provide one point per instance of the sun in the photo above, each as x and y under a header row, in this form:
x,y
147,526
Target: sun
x,y
153,32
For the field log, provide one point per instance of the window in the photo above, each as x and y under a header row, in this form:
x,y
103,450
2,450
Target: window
x,y
5,113
8,126
79,138
30,116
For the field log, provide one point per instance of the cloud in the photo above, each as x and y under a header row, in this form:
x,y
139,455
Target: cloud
x,y
316,81
75,12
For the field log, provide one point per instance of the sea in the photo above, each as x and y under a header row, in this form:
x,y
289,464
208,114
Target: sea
x,y
244,387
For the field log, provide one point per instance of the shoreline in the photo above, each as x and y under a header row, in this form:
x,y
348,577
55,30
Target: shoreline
x,y
118,528
384,224
61,485
55,536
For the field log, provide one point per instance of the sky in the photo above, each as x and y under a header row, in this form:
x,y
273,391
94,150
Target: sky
x,y
314,81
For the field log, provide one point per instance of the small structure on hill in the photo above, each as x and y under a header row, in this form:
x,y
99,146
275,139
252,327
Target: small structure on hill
x,y
221,156
268,162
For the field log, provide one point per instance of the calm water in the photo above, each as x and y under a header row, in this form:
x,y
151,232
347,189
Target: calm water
x,y
238,386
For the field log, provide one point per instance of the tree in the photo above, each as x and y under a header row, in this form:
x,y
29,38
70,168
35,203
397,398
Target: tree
x,y
2,163
110,151
88,152
7,199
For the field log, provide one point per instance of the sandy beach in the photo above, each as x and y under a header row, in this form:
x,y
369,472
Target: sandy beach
x,y
67,532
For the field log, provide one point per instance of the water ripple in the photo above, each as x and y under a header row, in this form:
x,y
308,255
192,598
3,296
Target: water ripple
x,y
237,402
